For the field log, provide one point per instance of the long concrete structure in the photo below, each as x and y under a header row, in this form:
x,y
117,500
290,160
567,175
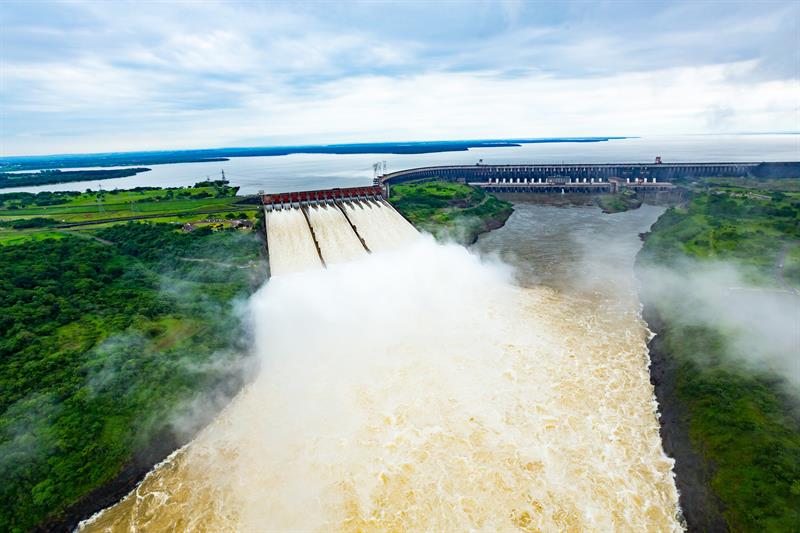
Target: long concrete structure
x,y
309,229
289,200
588,177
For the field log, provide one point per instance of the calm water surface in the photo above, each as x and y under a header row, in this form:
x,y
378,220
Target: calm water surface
x,y
317,171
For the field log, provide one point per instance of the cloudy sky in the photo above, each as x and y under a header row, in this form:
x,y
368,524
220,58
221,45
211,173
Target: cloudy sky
x,y
102,76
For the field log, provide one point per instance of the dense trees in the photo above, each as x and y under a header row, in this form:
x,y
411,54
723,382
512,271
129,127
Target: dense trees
x,y
99,344
741,418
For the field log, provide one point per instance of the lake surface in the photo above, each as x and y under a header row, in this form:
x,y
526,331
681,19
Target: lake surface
x,y
319,171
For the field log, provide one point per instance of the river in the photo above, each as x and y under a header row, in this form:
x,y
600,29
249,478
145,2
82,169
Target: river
x,y
319,171
432,388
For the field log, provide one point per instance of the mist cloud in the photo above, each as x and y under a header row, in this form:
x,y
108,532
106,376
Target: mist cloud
x,y
761,324
91,76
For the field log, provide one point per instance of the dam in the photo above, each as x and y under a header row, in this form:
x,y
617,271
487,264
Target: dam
x,y
588,178
314,229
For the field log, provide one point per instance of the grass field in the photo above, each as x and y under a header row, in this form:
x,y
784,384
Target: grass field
x,y
174,205
768,184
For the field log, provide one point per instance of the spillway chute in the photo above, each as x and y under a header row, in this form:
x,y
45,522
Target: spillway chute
x,y
291,244
380,225
335,236
337,225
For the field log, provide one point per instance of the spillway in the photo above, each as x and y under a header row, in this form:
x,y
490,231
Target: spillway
x,y
291,246
313,228
336,239
381,227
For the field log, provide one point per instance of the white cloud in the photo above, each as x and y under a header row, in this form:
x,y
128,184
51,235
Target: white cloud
x,y
131,76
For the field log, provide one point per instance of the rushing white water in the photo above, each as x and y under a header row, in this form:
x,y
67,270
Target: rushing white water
x,y
337,240
291,246
381,227
422,389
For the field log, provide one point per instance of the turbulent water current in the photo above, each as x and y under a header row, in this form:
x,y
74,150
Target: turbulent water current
x,y
426,387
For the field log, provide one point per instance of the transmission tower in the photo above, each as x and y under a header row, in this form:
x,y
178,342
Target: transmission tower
x,y
100,207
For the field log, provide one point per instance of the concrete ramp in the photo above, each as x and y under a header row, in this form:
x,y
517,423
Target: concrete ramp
x,y
379,224
311,229
335,237
291,244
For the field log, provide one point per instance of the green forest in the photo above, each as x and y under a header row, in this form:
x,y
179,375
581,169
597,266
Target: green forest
x,y
102,338
743,420
450,210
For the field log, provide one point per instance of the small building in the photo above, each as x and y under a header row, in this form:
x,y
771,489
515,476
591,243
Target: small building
x,y
241,224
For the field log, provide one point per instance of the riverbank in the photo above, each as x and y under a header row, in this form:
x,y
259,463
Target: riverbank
x,y
728,417
450,211
143,461
700,507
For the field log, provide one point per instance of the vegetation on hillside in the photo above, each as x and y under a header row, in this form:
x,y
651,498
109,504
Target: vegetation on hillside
x,y
108,332
740,418
450,210
726,224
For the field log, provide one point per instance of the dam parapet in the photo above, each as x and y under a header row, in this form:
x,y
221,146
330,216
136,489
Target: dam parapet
x,y
291,200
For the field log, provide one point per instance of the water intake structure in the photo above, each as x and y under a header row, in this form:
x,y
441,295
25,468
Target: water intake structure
x,y
408,385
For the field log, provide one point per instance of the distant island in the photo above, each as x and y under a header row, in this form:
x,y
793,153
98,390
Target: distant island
x,y
46,177
38,162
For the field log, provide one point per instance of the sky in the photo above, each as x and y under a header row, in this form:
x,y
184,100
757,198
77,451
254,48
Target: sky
x,y
83,77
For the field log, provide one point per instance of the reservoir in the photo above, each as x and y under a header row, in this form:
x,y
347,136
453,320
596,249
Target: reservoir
x,y
321,171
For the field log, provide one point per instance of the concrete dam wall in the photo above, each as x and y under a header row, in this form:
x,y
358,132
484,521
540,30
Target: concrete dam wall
x,y
589,178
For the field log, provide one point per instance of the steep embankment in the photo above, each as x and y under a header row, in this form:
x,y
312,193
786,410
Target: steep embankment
x,y
450,211
719,359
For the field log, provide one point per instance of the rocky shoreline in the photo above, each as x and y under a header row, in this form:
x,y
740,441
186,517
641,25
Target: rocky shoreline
x,y
116,489
489,224
701,509
164,444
